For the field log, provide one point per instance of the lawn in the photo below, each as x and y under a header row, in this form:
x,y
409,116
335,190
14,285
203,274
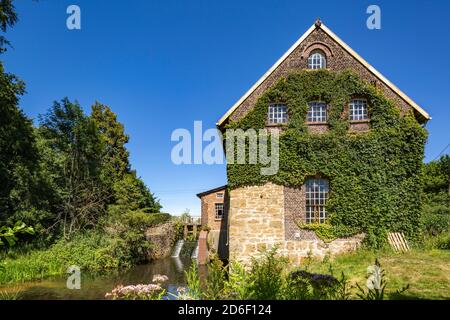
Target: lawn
x,y
426,272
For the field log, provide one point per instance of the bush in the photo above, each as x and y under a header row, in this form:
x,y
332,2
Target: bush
x,y
117,243
268,272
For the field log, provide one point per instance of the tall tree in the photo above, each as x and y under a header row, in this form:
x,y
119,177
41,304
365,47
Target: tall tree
x,y
75,150
130,192
115,163
17,146
8,17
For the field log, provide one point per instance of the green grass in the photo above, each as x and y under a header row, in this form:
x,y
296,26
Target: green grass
x,y
427,272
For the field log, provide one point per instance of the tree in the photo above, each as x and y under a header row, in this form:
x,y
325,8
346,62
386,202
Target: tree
x,y
130,192
115,163
8,17
74,150
436,205
133,194
18,154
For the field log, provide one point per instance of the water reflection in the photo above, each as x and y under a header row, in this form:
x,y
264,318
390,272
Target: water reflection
x,y
95,286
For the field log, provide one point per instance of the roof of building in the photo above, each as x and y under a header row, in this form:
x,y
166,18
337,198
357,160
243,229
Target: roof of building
x,y
201,194
320,25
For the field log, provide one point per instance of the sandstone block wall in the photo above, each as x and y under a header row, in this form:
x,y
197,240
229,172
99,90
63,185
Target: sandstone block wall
x,y
257,223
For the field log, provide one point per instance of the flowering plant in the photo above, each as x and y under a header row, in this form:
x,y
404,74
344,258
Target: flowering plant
x,y
152,291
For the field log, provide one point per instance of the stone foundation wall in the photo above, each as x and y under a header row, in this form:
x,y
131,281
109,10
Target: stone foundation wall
x,y
162,239
257,223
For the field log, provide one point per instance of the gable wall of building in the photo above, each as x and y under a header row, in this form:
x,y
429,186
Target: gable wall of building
x,y
338,59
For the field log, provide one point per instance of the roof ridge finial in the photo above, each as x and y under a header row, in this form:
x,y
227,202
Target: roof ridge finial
x,y
318,23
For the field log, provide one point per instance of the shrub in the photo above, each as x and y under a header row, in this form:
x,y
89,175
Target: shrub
x,y
268,275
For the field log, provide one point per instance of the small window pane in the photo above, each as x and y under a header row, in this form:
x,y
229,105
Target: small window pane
x,y
277,113
317,61
358,110
219,210
317,191
317,112
219,195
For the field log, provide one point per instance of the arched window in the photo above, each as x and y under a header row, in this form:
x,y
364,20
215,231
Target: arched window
x,y
317,60
317,191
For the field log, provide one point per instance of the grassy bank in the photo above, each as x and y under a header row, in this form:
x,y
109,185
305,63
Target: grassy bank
x,y
426,271
111,247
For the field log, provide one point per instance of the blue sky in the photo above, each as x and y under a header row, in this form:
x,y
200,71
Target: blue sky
x,y
160,65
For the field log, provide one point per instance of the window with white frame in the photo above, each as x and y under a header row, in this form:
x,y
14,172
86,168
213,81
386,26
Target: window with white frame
x,y
317,191
358,110
277,114
317,60
219,194
219,210
317,112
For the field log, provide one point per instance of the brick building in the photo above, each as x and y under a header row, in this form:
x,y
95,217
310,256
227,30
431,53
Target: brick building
x,y
254,218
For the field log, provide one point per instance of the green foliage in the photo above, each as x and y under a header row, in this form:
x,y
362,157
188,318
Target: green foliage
x,y
132,194
326,231
18,154
438,241
193,282
214,280
119,244
75,148
268,274
303,285
374,176
436,176
240,284
115,156
8,18
10,235
269,278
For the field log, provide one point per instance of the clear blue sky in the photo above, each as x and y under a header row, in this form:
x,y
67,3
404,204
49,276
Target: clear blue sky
x,y
160,65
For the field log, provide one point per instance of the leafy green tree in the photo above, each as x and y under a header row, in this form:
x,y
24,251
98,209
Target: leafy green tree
x,y
132,194
8,17
18,154
74,148
115,163
436,177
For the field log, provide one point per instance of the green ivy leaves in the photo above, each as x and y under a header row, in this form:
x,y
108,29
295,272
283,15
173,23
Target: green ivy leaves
x,y
374,176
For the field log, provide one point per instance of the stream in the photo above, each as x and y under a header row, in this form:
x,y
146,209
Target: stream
x,y
94,287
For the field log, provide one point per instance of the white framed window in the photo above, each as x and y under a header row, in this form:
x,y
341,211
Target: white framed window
x,y
219,195
219,211
317,60
277,113
317,191
317,112
358,110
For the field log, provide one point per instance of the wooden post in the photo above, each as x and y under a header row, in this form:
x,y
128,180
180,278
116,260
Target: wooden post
x,y
195,231
185,233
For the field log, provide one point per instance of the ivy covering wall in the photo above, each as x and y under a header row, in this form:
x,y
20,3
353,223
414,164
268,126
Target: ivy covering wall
x,y
375,182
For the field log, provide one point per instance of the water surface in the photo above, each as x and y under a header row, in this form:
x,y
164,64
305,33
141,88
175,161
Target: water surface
x,y
95,286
